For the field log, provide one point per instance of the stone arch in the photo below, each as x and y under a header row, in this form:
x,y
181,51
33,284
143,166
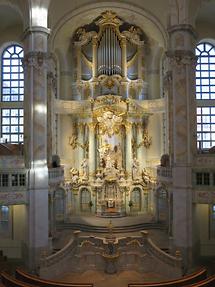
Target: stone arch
x,y
60,39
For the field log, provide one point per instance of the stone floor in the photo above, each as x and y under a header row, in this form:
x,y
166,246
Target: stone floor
x,y
100,279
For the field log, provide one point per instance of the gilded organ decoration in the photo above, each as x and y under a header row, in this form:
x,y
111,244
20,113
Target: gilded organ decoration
x,y
108,51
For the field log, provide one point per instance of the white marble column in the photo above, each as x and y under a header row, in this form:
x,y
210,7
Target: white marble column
x,y
92,151
35,142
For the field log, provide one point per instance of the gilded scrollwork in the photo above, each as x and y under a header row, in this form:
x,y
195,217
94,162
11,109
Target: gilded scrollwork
x,y
73,141
134,35
146,141
83,37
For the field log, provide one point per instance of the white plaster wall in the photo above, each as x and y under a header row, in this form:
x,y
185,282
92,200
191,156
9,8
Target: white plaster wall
x,y
19,220
67,154
155,129
12,247
207,245
64,7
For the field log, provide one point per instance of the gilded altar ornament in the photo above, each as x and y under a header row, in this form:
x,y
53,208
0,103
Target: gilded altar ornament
x,y
147,140
109,123
109,17
73,141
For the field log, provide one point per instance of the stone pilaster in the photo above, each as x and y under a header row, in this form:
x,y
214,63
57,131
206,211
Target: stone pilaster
x,y
182,62
35,118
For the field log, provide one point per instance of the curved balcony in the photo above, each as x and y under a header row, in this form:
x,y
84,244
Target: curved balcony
x,y
164,174
14,184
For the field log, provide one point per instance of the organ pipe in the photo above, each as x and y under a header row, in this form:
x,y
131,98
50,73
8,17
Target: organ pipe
x,y
109,53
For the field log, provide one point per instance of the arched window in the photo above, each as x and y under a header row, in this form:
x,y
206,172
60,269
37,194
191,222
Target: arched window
x,y
205,95
12,94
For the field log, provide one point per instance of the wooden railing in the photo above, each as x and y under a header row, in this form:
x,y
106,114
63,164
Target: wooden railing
x,y
36,281
189,280
24,279
209,282
9,281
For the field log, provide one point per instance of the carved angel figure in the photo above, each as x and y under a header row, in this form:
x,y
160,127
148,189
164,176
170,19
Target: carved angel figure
x,y
135,169
109,123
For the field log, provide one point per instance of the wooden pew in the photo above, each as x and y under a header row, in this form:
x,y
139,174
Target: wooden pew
x,y
10,281
184,281
209,282
37,281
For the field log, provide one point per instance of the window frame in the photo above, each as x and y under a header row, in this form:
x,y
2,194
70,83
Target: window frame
x,y
205,96
12,103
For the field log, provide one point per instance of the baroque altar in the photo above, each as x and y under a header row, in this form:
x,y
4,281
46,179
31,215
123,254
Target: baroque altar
x,y
109,133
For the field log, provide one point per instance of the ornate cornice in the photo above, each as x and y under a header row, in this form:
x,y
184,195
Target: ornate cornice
x,y
182,57
36,29
183,27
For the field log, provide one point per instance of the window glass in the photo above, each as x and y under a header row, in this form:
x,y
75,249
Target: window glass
x,y
12,90
12,74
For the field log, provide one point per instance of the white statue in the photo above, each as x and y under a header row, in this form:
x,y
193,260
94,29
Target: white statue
x,y
99,176
85,168
135,169
147,178
74,175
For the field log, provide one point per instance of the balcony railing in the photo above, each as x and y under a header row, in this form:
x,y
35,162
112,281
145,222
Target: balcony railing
x,y
13,179
56,175
14,184
164,172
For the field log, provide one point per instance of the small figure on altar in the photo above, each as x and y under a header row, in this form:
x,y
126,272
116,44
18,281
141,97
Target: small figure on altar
x,y
136,169
74,175
147,178
85,169
99,176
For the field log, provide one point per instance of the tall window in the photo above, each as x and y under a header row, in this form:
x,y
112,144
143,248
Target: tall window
x,y
12,94
205,95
